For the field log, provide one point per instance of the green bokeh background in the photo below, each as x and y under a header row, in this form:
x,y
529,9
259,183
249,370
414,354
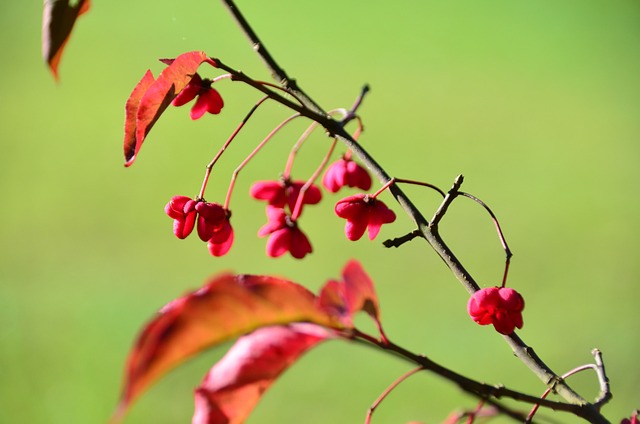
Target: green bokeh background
x,y
536,103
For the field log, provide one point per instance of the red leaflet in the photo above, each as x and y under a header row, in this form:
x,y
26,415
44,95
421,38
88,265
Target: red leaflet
x,y
225,308
150,98
131,147
58,18
236,383
354,294
359,291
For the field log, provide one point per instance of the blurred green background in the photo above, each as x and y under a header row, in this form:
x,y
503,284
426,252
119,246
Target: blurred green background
x,y
536,103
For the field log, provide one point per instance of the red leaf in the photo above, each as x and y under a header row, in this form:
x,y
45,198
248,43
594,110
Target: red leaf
x,y
156,98
225,308
131,112
359,291
354,294
234,385
58,18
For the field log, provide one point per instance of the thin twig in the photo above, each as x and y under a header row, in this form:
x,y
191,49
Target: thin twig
x,y
503,240
352,112
420,183
399,241
383,188
472,416
255,151
276,71
605,391
297,210
226,145
389,390
546,392
296,147
480,411
305,135
448,199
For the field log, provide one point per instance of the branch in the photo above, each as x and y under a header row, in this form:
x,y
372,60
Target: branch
x,y
473,387
448,199
276,71
311,110
525,353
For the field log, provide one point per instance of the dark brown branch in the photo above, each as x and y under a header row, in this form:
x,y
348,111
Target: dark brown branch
x,y
277,72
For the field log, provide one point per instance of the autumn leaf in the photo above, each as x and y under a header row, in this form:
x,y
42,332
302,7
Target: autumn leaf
x,y
359,292
354,294
58,19
131,113
286,320
149,99
225,308
235,384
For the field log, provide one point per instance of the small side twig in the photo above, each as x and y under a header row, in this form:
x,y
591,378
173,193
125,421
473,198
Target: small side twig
x,y
451,195
352,112
399,241
598,367
605,391
549,390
